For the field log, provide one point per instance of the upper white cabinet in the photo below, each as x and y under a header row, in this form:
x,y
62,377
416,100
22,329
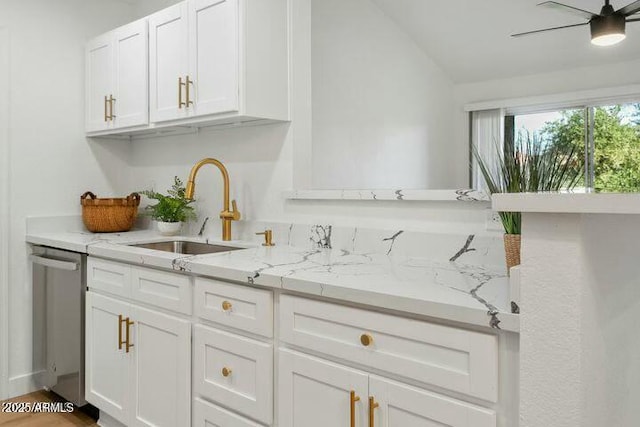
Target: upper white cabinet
x,y
219,61
116,79
168,63
210,62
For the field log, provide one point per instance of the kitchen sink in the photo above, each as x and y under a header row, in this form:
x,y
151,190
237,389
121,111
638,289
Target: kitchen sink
x,y
187,248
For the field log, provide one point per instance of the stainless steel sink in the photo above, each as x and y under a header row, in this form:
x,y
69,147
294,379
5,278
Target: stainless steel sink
x,y
187,248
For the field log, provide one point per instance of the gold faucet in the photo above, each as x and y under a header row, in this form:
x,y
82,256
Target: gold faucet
x,y
227,215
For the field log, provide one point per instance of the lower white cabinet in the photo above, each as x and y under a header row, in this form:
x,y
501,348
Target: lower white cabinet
x,y
138,363
234,371
317,393
206,414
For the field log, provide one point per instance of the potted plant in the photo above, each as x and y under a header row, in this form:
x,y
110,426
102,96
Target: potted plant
x,y
172,209
528,165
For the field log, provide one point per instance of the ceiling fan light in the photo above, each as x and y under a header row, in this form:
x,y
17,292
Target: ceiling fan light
x,y
608,40
608,30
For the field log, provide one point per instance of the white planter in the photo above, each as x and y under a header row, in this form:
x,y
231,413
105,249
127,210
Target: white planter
x,y
169,228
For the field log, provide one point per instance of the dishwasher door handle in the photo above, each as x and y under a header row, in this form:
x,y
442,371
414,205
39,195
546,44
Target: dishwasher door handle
x,y
54,263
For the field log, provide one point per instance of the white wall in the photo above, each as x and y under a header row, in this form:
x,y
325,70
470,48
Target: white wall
x,y
580,310
4,210
51,161
381,107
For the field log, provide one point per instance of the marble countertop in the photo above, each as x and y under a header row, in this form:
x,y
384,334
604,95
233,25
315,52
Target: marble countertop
x,y
470,294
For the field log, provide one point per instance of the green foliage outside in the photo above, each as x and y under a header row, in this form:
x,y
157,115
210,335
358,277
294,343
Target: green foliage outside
x,y
174,207
617,144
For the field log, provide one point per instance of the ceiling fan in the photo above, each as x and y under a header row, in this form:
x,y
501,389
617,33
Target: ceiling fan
x,y
607,27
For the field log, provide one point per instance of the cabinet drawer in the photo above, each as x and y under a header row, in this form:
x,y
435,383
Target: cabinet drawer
x,y
236,306
452,358
234,371
108,276
207,415
168,290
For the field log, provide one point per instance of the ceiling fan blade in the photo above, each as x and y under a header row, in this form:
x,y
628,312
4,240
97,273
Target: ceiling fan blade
x,y
630,9
548,29
585,14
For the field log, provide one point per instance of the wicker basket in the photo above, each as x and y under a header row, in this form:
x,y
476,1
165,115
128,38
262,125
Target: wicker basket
x,y
109,215
512,243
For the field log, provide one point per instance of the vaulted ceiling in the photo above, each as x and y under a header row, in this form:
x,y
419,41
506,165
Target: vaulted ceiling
x,y
470,39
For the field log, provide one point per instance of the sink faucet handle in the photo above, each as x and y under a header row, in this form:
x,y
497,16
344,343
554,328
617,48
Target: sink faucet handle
x,y
235,211
268,237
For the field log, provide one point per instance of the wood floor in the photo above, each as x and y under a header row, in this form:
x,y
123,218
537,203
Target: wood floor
x,y
72,419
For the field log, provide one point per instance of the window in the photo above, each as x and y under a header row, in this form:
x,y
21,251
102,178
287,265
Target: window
x,y
609,136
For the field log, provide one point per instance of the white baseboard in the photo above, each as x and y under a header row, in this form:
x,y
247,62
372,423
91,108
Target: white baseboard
x,y
25,384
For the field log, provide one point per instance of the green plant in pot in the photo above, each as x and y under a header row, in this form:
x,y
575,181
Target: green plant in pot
x,y
528,165
171,210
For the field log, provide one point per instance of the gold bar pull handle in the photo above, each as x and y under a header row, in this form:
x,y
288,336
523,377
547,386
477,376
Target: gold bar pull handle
x,y
111,101
354,399
187,87
128,335
180,84
106,115
372,407
120,321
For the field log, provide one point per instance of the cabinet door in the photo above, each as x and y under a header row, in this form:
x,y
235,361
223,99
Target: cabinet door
x,y
213,56
406,406
160,370
106,365
99,82
317,393
167,62
130,107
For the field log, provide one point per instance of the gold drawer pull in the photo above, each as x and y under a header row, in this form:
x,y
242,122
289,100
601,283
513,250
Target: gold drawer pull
x,y
372,406
106,115
128,336
226,372
366,340
180,85
354,399
187,87
120,321
226,306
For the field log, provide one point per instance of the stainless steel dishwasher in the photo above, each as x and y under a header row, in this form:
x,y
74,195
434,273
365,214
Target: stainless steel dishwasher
x,y
63,275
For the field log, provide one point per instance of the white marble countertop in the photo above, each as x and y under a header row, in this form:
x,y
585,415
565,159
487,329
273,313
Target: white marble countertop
x,y
588,203
452,291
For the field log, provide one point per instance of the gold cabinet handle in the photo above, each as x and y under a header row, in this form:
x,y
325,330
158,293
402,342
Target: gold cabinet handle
x,y
111,101
180,84
372,407
354,399
106,101
128,344
226,306
120,321
187,87
226,372
366,340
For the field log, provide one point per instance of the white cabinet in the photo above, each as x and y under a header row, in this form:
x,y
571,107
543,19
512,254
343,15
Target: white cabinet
x,y
168,63
160,370
106,362
138,363
453,358
99,82
234,371
218,62
395,404
318,393
214,30
116,79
